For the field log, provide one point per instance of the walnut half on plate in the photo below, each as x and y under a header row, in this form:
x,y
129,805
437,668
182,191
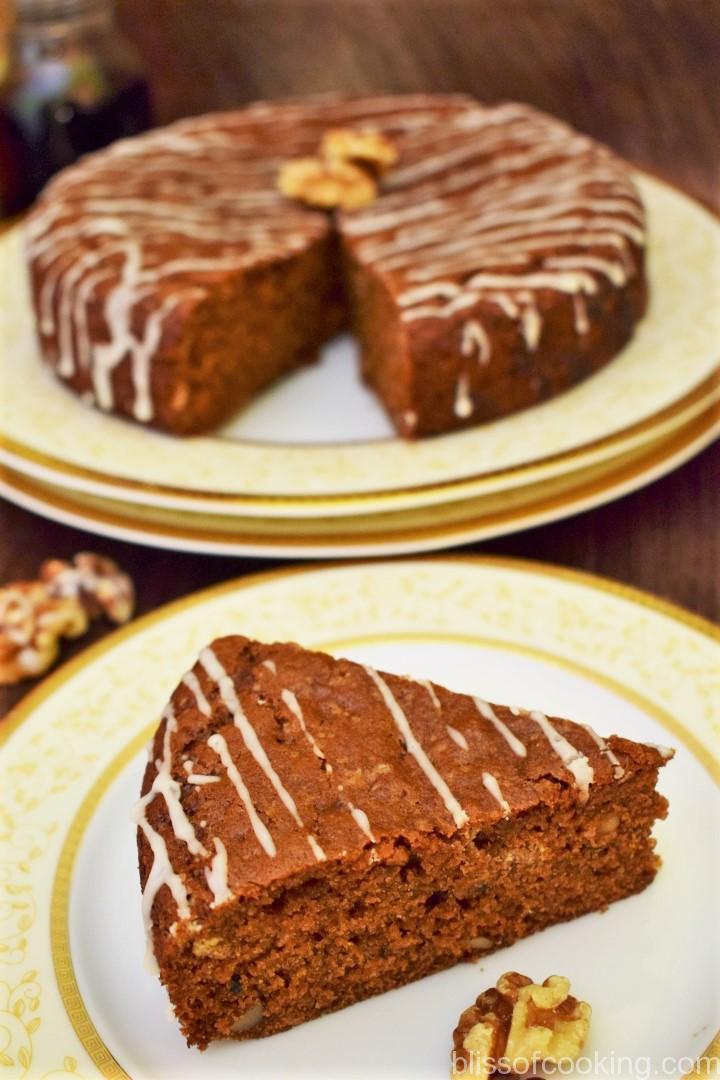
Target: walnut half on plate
x,y
517,1026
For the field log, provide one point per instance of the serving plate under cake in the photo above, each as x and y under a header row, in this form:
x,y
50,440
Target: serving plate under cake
x,y
75,750
296,453
424,528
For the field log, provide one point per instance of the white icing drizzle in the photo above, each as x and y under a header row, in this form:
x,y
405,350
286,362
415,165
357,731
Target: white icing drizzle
x,y
665,752
400,720
210,203
438,163
444,289
164,784
201,778
441,311
580,315
217,743
315,848
475,339
573,759
431,691
270,665
192,682
485,709
293,705
463,406
568,281
359,816
361,820
457,737
216,671
216,875
615,272
617,769
494,788
531,325
162,871
459,230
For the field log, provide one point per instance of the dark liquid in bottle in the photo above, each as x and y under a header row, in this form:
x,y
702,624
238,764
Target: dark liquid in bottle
x,y
34,147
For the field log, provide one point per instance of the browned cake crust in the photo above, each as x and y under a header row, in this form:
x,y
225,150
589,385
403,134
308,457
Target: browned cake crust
x,y
313,832
502,262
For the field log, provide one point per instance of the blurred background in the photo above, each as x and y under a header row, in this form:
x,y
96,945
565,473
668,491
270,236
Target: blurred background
x,y
622,70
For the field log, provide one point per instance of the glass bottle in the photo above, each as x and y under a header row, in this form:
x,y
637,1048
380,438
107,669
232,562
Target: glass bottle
x,y
73,83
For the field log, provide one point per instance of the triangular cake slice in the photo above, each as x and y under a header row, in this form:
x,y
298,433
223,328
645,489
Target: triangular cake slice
x,y
313,832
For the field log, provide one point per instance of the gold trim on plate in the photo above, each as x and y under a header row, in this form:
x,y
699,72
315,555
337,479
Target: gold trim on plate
x,y
568,457
583,492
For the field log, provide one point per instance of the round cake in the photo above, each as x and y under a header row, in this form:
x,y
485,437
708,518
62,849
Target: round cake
x,y
501,262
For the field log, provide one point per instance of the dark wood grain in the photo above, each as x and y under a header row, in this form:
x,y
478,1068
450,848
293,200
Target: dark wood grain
x,y
639,74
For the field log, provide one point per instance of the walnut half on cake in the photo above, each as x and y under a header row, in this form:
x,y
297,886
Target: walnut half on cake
x,y
501,261
313,832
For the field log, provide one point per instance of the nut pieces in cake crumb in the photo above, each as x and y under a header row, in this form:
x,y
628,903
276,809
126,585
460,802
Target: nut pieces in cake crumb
x,y
36,615
517,1026
364,147
327,184
344,174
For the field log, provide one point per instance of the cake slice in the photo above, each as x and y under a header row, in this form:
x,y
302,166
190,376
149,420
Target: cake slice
x,y
313,832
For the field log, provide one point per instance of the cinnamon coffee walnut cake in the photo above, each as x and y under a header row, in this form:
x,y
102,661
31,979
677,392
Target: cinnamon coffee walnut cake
x,y
313,832
501,262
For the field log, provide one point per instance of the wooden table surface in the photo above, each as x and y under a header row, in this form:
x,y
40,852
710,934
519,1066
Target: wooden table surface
x,y
639,74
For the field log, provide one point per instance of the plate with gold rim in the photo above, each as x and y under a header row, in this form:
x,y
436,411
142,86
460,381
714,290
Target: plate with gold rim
x,y
78,1001
413,530
295,453
38,467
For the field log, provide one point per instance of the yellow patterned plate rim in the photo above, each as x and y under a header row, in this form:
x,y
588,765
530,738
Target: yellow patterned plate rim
x,y
410,531
84,481
674,352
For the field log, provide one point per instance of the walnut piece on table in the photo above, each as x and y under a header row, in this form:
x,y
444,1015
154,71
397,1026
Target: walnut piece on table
x,y
326,184
97,582
32,622
516,1026
36,615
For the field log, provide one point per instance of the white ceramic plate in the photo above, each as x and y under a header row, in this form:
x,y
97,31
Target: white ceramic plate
x,y
425,528
318,444
517,632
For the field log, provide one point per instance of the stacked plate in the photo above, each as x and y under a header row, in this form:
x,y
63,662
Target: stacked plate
x,y
312,468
